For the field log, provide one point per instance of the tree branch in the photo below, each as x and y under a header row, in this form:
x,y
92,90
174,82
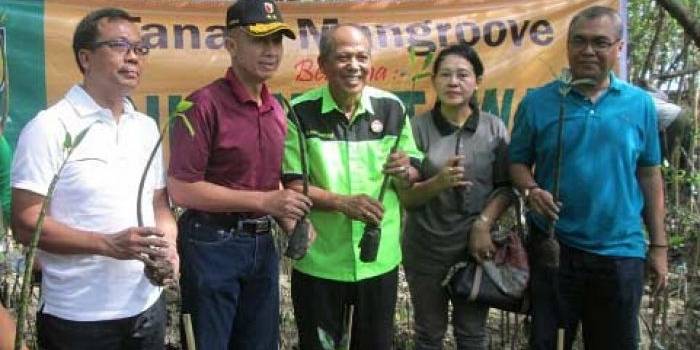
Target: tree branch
x,y
676,74
650,58
687,20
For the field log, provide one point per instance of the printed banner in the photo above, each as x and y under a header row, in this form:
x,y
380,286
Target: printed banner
x,y
522,44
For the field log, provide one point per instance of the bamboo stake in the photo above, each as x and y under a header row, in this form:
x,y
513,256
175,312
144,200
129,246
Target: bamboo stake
x,y
560,339
25,296
189,332
351,311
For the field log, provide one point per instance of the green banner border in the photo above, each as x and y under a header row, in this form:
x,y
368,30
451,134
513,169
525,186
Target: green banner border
x,y
24,36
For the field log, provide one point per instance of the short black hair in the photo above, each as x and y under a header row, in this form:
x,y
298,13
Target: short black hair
x,y
86,32
463,50
594,12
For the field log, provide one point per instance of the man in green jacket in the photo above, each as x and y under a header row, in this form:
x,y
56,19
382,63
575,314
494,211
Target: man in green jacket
x,y
349,130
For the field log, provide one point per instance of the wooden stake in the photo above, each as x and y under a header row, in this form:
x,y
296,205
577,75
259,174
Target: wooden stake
x,y
189,333
560,339
351,311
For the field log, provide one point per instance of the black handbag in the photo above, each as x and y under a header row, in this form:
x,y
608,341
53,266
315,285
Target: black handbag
x,y
500,283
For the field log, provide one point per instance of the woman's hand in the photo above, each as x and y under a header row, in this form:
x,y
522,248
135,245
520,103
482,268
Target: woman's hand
x,y
480,245
452,174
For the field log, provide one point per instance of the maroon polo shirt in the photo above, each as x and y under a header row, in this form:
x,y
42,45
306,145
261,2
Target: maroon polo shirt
x,y
237,144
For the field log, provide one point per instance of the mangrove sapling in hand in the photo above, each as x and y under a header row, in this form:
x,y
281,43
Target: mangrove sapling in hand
x,y
369,243
299,239
69,145
158,269
547,251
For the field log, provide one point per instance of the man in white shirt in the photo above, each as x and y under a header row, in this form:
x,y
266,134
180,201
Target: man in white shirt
x,y
95,293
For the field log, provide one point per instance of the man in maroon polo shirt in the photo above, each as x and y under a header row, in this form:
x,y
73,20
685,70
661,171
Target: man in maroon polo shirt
x,y
228,178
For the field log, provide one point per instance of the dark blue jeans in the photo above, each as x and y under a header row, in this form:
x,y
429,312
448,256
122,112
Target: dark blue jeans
x,y
230,286
601,292
145,331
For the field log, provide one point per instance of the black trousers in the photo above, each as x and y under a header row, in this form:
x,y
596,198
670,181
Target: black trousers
x,y
602,293
145,331
321,306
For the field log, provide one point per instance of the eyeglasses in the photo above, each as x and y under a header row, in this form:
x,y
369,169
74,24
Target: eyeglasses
x,y
123,46
598,45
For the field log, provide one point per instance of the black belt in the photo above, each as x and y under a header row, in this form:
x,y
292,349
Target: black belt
x,y
234,221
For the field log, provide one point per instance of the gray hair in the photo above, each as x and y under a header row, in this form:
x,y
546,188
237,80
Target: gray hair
x,y
327,43
598,12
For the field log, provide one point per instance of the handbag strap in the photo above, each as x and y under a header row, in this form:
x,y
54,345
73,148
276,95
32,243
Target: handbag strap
x,y
521,217
478,276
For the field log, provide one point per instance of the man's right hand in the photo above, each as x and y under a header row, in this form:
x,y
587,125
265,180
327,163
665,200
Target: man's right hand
x,y
364,208
542,202
140,243
286,204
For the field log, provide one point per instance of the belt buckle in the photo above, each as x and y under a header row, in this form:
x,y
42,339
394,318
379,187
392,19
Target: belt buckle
x,y
254,226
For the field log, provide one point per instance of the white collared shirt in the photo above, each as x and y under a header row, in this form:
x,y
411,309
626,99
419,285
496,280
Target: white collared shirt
x,y
96,191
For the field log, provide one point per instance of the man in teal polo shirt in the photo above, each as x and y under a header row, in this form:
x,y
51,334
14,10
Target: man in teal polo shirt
x,y
610,187
349,129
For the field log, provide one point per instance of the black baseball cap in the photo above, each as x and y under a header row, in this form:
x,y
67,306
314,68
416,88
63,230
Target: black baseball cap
x,y
257,17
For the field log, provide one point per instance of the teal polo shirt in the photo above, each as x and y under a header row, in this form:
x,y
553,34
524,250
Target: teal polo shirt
x,y
346,157
604,144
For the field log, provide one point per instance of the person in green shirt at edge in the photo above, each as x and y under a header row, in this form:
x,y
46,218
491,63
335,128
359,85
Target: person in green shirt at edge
x,y
349,130
5,166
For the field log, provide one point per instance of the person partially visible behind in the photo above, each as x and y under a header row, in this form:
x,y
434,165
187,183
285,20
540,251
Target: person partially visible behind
x,y
464,189
610,189
5,171
95,294
7,331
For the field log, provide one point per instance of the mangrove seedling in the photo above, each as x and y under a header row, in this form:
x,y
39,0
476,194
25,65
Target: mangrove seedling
x,y
159,270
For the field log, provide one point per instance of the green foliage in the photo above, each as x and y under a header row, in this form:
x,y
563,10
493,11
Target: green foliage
x,y
424,71
69,145
182,107
428,60
178,113
411,55
326,340
420,75
642,18
417,74
568,82
67,142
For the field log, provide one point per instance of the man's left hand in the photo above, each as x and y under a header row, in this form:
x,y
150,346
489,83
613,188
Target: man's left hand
x,y
398,166
658,267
